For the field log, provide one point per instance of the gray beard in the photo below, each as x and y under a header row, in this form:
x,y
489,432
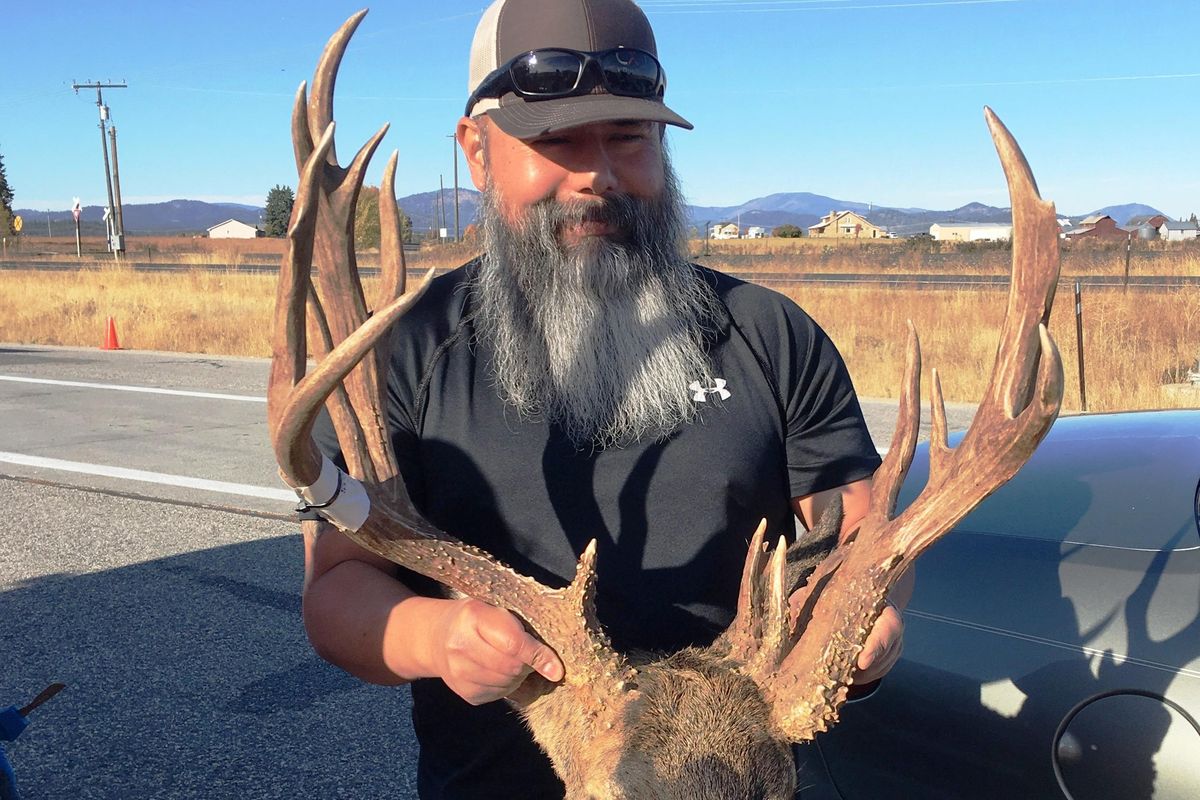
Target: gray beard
x,y
603,338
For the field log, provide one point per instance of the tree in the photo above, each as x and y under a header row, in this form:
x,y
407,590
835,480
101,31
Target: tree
x,y
366,219
789,231
279,210
6,210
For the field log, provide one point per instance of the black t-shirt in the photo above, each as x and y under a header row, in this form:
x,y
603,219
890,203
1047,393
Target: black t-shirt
x,y
672,519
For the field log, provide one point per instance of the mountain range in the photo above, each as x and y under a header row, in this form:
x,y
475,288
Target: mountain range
x,y
182,217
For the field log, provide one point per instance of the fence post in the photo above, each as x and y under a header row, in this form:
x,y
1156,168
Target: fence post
x,y
1128,248
1079,345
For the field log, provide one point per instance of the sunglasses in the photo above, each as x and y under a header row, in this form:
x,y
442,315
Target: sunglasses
x,y
558,72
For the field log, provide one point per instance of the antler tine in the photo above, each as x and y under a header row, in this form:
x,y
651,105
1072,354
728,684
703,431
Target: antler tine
x,y
742,635
339,283
320,107
358,459
891,472
1035,275
302,139
294,452
1018,407
937,407
775,630
392,267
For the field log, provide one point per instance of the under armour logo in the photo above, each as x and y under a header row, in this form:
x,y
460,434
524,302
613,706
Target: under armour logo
x,y
700,393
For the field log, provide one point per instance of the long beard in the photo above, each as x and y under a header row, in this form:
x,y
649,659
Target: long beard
x,y
601,338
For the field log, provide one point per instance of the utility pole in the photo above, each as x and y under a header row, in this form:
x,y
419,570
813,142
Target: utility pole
x,y
112,134
116,241
441,207
454,156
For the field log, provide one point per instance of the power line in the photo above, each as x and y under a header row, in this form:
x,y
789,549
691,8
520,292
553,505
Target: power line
x,y
663,7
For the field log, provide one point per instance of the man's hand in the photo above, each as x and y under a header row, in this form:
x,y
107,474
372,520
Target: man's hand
x,y
485,652
882,648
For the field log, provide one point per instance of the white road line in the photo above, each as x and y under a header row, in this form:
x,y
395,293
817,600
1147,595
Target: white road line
x,y
146,389
223,487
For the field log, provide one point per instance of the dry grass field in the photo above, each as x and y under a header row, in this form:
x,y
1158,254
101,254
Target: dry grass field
x,y
1134,342
783,256
923,256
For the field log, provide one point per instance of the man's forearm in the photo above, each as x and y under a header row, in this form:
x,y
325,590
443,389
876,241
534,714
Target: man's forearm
x,y
371,625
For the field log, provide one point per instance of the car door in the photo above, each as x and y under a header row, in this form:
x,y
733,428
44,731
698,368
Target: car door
x,y
1052,646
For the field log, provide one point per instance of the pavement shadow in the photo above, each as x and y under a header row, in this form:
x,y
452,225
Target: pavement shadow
x,y
190,676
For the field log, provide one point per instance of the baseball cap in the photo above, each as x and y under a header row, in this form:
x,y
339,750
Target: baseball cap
x,y
512,27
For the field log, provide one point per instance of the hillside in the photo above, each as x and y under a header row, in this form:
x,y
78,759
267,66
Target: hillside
x,y
803,209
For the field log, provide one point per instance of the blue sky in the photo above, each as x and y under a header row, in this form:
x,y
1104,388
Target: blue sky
x,y
867,100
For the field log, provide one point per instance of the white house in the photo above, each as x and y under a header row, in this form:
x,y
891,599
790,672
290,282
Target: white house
x,y
233,229
971,231
755,232
1172,231
725,230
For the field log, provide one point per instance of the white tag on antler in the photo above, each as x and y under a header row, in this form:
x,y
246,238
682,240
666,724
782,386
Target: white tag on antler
x,y
337,497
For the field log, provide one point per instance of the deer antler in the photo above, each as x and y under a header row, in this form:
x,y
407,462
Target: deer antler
x,y
805,666
370,504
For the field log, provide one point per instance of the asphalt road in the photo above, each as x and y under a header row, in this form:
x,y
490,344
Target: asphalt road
x,y
150,564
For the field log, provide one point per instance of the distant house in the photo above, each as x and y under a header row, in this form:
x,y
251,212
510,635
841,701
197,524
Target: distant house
x,y
755,232
845,225
725,230
1097,226
971,231
1173,231
1153,220
233,229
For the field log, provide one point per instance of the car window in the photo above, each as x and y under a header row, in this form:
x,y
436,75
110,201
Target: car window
x,y
1117,480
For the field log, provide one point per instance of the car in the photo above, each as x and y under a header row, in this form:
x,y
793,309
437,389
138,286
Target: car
x,y
1052,645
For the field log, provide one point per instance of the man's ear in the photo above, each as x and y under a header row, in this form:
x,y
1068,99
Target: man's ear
x,y
473,142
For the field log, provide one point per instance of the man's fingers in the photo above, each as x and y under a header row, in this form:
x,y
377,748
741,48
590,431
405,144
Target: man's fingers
x,y
882,648
508,636
541,658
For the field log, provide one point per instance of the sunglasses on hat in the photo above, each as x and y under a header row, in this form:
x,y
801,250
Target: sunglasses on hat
x,y
554,72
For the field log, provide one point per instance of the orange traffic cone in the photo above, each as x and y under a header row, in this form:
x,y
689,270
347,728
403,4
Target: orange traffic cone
x,y
110,336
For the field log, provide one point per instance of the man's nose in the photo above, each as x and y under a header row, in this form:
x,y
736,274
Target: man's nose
x,y
594,171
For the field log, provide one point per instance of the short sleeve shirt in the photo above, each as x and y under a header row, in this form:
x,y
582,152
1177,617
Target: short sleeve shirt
x,y
672,519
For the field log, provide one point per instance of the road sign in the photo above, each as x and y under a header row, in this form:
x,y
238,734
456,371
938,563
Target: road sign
x,y
18,223
76,208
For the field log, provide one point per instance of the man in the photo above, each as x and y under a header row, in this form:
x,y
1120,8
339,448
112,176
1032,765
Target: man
x,y
581,380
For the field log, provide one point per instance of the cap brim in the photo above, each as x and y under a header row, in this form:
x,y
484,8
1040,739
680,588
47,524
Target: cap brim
x,y
530,119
